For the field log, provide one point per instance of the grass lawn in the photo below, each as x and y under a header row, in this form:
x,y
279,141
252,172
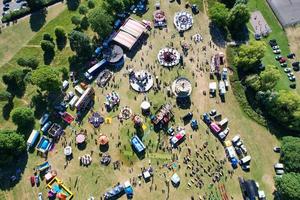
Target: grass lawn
x,y
96,179
277,33
13,38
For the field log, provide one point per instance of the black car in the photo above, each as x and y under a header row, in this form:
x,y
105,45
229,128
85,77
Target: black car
x,y
291,55
187,117
273,42
195,9
296,64
6,1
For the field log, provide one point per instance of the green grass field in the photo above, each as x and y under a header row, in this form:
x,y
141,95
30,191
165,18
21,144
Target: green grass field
x,y
96,179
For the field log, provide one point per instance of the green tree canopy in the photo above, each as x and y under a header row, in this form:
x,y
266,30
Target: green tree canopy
x,y
288,186
14,78
238,16
23,117
114,6
47,46
229,3
76,20
80,43
218,14
32,63
83,10
46,78
60,33
12,145
284,106
290,156
269,77
91,4
100,22
35,4
250,55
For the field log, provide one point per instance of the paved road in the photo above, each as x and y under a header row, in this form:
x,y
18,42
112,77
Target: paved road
x,y
12,6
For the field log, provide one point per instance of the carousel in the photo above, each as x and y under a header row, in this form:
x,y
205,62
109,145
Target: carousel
x,y
183,21
114,55
96,120
168,57
85,160
103,140
141,81
182,87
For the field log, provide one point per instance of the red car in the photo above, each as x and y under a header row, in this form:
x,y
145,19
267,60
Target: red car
x,y
282,60
32,180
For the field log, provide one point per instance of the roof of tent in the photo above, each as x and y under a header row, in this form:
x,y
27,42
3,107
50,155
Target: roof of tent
x,y
129,33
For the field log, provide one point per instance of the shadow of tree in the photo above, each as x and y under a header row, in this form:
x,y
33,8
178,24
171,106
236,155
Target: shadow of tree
x,y
11,173
17,90
73,4
37,20
7,108
61,43
48,57
40,104
218,36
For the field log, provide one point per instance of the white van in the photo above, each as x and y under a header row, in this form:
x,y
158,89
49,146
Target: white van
x,y
79,90
245,160
73,101
235,139
223,122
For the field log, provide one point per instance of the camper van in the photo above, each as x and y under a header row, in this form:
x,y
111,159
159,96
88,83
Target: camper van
x,y
222,88
32,139
230,152
245,160
235,139
223,122
79,89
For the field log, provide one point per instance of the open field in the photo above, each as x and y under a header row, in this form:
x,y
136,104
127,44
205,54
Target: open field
x,y
96,179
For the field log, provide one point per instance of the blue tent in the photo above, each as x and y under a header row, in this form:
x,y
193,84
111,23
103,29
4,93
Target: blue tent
x,y
234,162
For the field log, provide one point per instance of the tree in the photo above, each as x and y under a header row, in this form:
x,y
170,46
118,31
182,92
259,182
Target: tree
x,y
114,6
269,77
46,78
83,10
250,55
61,38
81,44
253,81
218,14
91,4
238,17
290,156
288,186
73,4
229,3
100,21
47,46
32,63
23,117
84,23
35,4
241,1
47,37
76,20
5,96
14,78
284,106
12,145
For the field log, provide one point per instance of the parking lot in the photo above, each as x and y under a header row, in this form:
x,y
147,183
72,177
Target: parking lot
x,y
13,5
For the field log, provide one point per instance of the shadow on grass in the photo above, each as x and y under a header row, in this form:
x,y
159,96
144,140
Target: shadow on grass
x,y
11,174
7,108
218,36
37,20
40,104
48,57
17,90
61,43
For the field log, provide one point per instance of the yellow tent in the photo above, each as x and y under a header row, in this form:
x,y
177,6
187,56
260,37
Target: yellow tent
x,y
108,120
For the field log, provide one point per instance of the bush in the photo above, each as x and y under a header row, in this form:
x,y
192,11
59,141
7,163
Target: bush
x,y
5,96
290,155
12,145
84,23
288,186
23,117
61,38
76,20
91,4
47,37
83,10
47,46
32,63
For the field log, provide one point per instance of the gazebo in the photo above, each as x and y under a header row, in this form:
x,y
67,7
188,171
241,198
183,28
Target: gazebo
x,y
145,107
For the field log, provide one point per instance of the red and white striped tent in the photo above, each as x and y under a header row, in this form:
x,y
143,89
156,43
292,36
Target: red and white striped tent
x,y
129,33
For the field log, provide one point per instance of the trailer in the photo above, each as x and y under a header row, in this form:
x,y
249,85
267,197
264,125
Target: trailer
x,y
32,139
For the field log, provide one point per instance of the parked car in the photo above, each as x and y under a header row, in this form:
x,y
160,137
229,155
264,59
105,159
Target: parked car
x,y
273,42
277,51
279,166
282,60
171,131
277,149
46,126
283,64
296,64
257,36
292,78
61,107
6,1
275,47
278,57
296,68
287,70
213,112
206,119
291,55
223,134
188,117
44,119
290,74
5,8
245,167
